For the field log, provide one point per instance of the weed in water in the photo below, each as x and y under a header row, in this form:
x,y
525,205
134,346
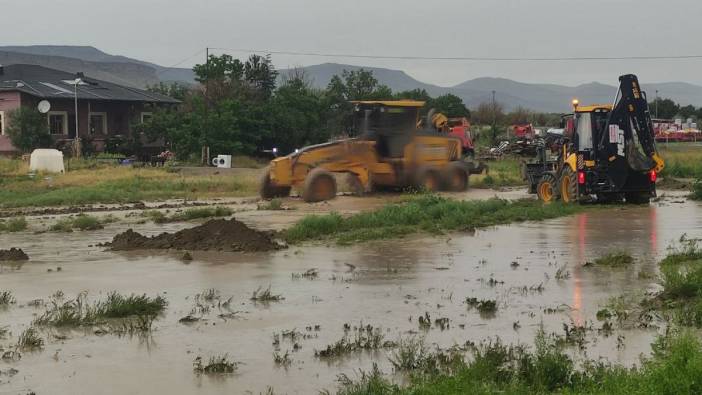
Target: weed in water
x,y
365,338
273,205
283,360
216,365
615,259
13,225
562,273
265,295
30,340
6,298
81,222
199,213
310,274
484,306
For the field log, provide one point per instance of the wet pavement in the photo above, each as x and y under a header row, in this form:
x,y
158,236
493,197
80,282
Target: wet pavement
x,y
385,284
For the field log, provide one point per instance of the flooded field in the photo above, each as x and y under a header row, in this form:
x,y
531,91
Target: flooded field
x,y
535,272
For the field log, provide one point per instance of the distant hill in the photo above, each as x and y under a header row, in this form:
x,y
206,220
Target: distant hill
x,y
118,69
539,97
512,94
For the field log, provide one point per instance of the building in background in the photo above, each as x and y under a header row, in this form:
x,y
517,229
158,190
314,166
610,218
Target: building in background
x,y
105,110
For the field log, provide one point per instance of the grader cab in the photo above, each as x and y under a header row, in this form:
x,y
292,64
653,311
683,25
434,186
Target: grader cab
x,y
390,151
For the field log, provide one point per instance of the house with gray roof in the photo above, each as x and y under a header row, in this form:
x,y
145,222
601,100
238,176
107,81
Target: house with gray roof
x,y
105,109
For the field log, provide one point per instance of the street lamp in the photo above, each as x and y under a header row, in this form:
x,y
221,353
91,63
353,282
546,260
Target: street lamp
x,y
76,82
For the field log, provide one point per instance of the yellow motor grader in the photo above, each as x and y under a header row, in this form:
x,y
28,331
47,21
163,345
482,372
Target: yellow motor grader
x,y
393,150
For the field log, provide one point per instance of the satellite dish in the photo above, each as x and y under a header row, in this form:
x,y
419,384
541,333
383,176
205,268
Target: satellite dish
x,y
44,106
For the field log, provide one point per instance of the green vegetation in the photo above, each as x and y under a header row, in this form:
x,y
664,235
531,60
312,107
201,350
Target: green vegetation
x,y
485,306
188,215
505,172
13,225
28,129
615,258
108,184
682,160
78,312
216,365
30,340
495,368
265,295
273,205
6,298
81,222
428,213
365,338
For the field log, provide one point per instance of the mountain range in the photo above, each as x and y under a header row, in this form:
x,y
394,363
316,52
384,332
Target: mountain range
x,y
511,94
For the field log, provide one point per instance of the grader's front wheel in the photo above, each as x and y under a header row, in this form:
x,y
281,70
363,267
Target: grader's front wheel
x,y
267,190
456,177
319,185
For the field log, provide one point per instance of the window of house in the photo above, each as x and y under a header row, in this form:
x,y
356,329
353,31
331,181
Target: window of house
x,y
98,123
2,123
146,117
58,122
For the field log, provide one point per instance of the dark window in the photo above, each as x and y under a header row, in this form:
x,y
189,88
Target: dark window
x,y
57,123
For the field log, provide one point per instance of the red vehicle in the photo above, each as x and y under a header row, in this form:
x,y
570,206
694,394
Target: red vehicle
x,y
460,128
523,132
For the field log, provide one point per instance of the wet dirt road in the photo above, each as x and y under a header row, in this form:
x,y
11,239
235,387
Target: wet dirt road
x,y
382,284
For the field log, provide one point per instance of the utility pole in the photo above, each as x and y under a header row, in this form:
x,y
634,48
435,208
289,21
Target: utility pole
x,y
656,103
205,146
494,118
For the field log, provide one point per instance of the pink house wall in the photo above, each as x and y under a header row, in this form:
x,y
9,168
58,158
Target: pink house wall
x,y
9,101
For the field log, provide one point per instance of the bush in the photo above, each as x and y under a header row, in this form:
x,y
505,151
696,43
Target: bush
x,y
29,130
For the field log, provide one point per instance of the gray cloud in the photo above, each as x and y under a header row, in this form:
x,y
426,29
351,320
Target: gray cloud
x,y
167,31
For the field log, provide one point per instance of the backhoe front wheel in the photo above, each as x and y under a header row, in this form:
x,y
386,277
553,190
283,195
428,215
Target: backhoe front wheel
x,y
546,189
319,185
569,186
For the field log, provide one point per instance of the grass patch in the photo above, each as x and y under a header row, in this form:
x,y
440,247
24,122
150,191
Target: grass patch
x,y
121,184
427,213
13,225
265,295
6,298
365,338
505,172
78,312
615,259
81,222
216,365
485,306
188,215
681,160
273,205
30,340
675,368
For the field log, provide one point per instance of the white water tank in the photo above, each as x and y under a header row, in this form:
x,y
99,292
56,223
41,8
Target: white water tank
x,y
222,161
49,160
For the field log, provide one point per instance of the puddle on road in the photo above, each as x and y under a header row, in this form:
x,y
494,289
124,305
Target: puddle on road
x,y
382,284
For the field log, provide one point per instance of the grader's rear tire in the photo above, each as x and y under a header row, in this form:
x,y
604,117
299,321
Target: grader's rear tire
x,y
546,189
455,177
427,179
267,190
319,185
568,186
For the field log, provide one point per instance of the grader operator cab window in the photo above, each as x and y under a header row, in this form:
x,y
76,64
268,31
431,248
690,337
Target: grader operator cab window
x,y
391,127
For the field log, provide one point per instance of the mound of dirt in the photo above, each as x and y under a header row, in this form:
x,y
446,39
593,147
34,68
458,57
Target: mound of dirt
x,y
215,235
13,254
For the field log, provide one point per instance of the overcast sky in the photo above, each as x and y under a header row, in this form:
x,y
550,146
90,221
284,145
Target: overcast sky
x,y
168,31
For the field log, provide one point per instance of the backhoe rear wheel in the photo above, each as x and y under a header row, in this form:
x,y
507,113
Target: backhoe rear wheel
x,y
568,185
427,179
546,189
267,190
319,185
456,176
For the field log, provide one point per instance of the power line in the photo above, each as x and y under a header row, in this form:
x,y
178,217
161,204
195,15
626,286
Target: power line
x,y
466,58
181,62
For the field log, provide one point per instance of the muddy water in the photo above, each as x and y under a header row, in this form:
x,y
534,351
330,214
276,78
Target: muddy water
x,y
385,284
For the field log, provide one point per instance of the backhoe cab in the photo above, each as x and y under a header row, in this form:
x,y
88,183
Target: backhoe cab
x,y
607,153
391,151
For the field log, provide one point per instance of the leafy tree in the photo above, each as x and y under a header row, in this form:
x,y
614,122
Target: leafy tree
x,y
666,108
450,105
28,129
175,90
487,112
688,111
415,94
520,116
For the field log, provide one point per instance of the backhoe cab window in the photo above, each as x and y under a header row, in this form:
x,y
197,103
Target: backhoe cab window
x,y
583,130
